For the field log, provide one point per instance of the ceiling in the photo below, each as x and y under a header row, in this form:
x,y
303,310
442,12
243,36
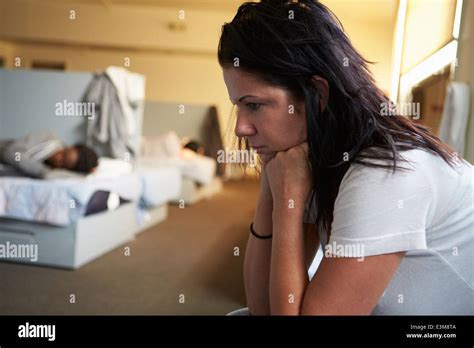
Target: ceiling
x,y
214,5
366,10
219,5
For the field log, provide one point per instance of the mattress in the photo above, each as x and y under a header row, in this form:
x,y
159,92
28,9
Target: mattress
x,y
200,169
193,193
60,202
62,199
159,185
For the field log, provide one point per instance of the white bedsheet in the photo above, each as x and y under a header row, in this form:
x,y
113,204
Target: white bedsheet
x,y
63,200
201,169
60,201
159,185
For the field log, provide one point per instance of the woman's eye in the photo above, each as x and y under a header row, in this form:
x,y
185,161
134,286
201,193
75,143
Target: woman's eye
x,y
253,106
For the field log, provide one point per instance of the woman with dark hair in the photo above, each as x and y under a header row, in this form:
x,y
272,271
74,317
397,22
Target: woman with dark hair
x,y
388,202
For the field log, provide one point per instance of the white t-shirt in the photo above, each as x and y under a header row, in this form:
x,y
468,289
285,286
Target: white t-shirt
x,y
428,212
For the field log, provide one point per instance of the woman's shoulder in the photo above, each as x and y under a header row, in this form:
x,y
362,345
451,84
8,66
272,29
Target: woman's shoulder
x,y
413,163
421,173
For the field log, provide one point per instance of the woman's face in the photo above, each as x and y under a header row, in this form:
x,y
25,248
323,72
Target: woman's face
x,y
269,117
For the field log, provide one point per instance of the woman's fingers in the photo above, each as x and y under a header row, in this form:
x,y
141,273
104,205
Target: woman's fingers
x,y
305,147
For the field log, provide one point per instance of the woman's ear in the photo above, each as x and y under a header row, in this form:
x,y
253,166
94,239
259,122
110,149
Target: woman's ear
x,y
322,86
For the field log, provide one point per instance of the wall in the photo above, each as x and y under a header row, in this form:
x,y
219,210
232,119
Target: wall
x,y
2,102
28,103
422,38
173,78
180,65
5,51
465,69
375,43
370,25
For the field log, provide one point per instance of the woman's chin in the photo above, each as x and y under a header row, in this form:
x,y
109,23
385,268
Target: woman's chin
x,y
266,157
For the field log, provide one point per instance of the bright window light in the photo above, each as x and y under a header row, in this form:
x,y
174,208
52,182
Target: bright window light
x,y
430,66
398,48
457,19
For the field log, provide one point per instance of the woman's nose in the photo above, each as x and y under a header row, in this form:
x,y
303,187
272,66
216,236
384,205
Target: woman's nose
x,y
243,127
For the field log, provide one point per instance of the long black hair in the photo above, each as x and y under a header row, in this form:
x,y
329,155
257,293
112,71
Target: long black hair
x,y
286,43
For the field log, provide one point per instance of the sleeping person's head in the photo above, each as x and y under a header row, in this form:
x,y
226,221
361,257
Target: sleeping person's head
x,y
78,158
195,146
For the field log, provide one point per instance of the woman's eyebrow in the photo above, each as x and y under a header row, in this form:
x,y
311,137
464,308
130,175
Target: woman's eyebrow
x,y
251,96
246,96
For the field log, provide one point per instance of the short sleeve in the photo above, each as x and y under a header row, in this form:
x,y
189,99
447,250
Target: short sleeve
x,y
379,212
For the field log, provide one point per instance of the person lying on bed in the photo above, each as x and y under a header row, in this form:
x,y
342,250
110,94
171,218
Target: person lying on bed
x,y
36,154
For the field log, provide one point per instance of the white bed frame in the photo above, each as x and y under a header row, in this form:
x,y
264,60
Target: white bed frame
x,y
191,193
153,216
75,245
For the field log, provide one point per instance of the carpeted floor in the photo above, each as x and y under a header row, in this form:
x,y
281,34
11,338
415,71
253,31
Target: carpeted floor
x,y
191,254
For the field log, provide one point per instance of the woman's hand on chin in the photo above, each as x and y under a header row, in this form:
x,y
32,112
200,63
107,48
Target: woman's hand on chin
x,y
289,175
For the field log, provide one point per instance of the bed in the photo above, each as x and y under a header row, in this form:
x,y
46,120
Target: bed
x,y
57,217
159,186
201,174
198,176
73,245
71,221
68,230
75,220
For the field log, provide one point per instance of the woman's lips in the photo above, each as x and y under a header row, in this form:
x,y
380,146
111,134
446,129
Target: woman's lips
x,y
258,149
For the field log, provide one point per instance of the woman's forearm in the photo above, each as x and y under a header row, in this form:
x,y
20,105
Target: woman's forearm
x,y
258,255
288,275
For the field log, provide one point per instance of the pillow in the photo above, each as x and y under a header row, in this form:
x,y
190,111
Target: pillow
x,y
111,167
166,145
62,174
